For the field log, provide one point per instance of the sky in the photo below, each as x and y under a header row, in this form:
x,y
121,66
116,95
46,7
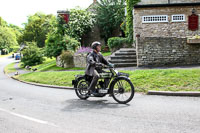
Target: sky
x,y
16,11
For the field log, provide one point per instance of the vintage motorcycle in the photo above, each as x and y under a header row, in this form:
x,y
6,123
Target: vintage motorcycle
x,y
114,83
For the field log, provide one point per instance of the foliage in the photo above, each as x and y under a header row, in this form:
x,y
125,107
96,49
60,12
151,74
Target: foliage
x,y
32,55
83,50
67,58
129,17
56,43
37,28
110,14
70,43
143,80
15,48
3,23
17,30
118,42
7,38
81,22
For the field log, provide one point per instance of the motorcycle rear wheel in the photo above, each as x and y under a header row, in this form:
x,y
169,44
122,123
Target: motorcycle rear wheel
x,y
81,89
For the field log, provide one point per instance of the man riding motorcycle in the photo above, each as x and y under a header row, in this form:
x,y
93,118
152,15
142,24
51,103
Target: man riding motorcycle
x,y
95,59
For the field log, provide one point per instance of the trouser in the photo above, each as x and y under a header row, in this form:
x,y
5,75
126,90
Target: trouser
x,y
94,80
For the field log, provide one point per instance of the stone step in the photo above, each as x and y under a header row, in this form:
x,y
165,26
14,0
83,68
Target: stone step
x,y
127,50
125,64
124,53
123,61
123,57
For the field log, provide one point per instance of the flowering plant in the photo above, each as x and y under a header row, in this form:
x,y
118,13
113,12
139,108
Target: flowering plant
x,y
83,50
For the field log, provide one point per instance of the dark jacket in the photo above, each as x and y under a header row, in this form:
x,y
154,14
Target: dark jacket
x,y
92,59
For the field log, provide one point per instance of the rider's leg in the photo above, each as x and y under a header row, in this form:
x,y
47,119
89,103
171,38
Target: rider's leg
x,y
94,81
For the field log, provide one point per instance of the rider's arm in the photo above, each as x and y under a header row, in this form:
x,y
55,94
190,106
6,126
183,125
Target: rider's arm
x,y
103,60
91,60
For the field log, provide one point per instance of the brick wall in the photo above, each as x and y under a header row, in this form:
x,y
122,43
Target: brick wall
x,y
166,51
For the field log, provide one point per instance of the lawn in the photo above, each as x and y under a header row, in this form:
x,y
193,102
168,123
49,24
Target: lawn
x,y
10,68
106,53
143,80
50,65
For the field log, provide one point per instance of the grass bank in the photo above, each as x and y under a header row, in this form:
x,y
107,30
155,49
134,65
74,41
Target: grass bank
x,y
143,80
50,65
10,68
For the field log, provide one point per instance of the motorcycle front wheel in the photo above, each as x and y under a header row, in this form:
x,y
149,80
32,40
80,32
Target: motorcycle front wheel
x,y
123,90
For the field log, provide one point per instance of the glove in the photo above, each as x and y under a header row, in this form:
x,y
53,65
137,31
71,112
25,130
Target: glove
x,y
111,65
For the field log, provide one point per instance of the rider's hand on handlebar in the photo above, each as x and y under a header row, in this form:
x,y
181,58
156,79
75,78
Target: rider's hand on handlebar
x,y
111,65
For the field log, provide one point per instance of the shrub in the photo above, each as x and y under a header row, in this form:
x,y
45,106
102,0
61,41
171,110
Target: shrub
x,y
56,43
66,59
116,43
32,55
70,43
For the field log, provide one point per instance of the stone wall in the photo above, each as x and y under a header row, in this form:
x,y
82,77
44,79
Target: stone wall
x,y
80,60
157,51
165,1
164,29
63,64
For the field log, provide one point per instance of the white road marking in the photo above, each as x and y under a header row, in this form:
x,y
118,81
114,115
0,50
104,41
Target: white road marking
x,y
28,118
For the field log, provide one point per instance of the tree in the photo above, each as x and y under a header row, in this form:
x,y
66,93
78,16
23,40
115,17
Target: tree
x,y
110,14
81,22
16,30
32,55
129,17
67,36
37,28
3,23
7,38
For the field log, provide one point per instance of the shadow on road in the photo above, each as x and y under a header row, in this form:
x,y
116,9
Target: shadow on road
x,y
77,105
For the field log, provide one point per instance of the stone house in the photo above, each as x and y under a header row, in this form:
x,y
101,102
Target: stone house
x,y
164,31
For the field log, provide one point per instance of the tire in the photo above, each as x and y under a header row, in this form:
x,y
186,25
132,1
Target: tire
x,y
81,89
120,90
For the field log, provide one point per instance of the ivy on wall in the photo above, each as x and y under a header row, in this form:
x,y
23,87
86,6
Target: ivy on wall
x,y
129,17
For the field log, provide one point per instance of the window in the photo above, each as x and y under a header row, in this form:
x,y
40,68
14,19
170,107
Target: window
x,y
178,18
154,19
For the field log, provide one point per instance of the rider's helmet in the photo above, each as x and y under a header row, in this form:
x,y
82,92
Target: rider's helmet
x,y
95,44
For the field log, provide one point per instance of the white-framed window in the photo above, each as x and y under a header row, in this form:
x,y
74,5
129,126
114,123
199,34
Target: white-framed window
x,y
178,18
155,19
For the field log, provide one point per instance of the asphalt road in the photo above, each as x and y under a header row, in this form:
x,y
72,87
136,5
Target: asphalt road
x,y
32,109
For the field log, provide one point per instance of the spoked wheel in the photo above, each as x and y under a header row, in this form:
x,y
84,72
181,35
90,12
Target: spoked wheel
x,y
81,89
123,90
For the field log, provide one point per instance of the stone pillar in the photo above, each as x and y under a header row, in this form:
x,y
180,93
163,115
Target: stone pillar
x,y
136,41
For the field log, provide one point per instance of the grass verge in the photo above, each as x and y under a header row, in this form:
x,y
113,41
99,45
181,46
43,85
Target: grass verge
x,y
1,56
143,80
10,68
